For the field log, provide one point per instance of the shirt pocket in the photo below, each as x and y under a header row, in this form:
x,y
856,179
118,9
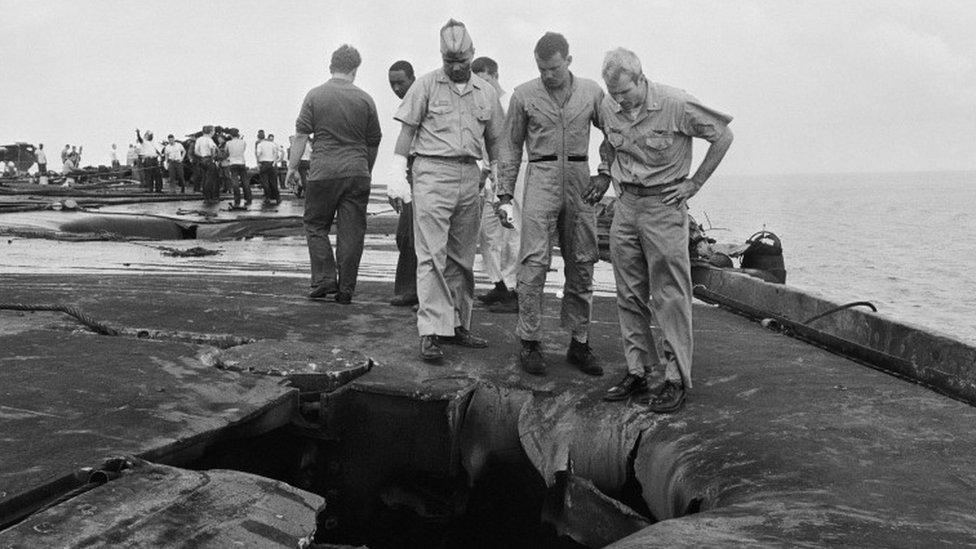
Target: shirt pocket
x,y
658,140
477,118
438,108
482,113
656,145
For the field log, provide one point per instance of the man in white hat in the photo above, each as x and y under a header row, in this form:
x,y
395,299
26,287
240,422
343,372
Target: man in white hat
x,y
448,118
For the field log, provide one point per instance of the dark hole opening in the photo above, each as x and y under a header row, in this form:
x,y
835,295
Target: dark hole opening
x,y
407,509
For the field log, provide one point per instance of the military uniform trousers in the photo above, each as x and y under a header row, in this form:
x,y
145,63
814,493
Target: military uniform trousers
x,y
446,214
552,213
649,250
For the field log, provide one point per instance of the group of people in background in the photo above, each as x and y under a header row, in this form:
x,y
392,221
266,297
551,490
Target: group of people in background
x,y
466,171
211,162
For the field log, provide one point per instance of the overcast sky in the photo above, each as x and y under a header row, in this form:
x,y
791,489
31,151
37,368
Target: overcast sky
x,y
826,86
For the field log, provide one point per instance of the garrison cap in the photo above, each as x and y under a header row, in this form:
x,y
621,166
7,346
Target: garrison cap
x,y
455,38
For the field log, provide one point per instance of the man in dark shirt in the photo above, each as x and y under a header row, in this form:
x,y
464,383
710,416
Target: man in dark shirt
x,y
405,283
343,120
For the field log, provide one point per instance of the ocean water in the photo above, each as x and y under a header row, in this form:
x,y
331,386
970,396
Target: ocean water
x,y
903,241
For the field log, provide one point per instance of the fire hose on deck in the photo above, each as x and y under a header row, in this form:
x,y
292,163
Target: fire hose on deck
x,y
223,341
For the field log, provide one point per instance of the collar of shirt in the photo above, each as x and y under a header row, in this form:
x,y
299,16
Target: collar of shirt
x,y
650,102
475,83
340,81
543,90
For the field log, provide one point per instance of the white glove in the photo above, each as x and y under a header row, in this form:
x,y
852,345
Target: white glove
x,y
397,187
506,215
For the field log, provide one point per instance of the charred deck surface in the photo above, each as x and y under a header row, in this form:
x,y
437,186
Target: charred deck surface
x,y
70,399
780,443
158,506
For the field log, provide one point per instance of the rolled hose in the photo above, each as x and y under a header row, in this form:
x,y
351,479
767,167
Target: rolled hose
x,y
88,321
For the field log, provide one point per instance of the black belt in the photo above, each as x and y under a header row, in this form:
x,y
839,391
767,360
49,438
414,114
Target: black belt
x,y
553,158
640,190
457,159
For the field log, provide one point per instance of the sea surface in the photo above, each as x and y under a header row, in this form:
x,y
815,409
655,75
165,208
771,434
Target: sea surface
x,y
903,241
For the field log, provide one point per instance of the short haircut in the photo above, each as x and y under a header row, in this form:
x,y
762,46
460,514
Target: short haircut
x,y
404,66
170,136
550,44
345,59
485,64
621,61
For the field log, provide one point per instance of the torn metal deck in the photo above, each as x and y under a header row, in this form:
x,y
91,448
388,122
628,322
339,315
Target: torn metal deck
x,y
780,443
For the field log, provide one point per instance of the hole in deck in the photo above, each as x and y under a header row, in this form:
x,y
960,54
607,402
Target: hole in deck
x,y
405,508
388,465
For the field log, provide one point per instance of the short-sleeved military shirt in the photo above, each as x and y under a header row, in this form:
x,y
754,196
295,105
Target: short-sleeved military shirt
x,y
451,123
654,147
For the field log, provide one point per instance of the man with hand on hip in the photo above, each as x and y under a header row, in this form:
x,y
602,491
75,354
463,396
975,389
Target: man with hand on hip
x,y
648,129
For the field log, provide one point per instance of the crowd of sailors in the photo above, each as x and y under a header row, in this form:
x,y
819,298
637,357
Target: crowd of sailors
x,y
209,162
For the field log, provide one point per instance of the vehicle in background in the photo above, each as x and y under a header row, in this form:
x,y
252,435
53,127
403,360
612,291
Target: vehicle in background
x,y
20,153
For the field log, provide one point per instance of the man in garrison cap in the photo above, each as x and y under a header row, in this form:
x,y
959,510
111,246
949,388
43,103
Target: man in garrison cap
x,y
449,116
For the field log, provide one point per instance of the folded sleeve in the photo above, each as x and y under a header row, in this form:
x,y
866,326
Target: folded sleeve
x,y
413,108
703,122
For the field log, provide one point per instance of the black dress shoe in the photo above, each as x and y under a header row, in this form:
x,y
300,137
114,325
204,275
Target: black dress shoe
x,y
530,358
508,304
629,385
464,338
343,298
582,356
670,399
322,291
404,300
429,349
498,293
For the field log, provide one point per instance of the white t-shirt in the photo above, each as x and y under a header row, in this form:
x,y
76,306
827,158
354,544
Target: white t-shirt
x,y
204,146
148,149
235,150
175,152
266,151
